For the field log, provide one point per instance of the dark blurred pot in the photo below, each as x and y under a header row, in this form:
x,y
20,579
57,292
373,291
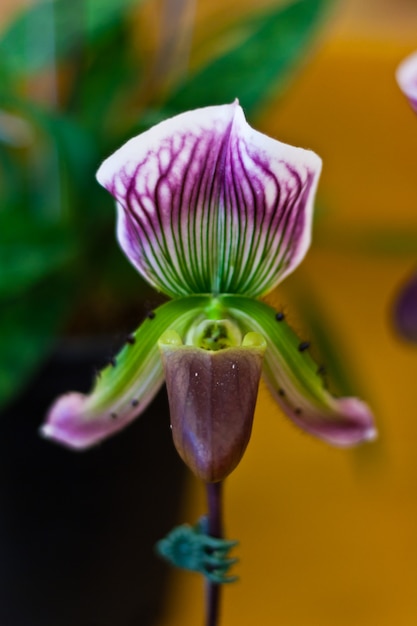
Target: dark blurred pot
x,y
77,530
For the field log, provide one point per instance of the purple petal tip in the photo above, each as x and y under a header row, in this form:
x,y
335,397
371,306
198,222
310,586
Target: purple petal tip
x,y
350,424
69,423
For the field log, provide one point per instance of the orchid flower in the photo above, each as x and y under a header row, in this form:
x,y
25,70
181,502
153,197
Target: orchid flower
x,y
215,215
405,309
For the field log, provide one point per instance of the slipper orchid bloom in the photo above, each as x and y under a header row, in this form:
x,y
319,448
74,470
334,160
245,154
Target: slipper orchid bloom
x,y
405,309
213,214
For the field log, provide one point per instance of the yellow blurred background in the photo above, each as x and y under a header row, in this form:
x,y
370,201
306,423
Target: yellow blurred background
x,y
329,536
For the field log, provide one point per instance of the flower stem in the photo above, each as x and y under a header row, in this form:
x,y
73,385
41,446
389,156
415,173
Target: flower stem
x,y
215,529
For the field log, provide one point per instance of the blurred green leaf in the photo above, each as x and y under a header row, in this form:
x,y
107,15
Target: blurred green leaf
x,y
327,344
64,163
330,347
52,29
11,177
265,49
28,325
30,250
369,241
51,174
106,83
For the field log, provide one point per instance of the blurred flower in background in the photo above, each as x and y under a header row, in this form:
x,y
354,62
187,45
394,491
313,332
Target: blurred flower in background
x,y
405,308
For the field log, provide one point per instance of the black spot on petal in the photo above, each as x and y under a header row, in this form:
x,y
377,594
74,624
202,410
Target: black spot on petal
x,y
135,402
131,339
280,317
304,345
151,315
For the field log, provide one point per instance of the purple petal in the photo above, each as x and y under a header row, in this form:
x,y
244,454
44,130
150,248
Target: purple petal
x,y
70,422
405,310
407,78
345,422
206,204
295,380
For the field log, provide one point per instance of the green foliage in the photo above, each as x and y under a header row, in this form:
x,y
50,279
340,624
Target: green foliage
x,y
30,251
28,323
53,30
264,50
